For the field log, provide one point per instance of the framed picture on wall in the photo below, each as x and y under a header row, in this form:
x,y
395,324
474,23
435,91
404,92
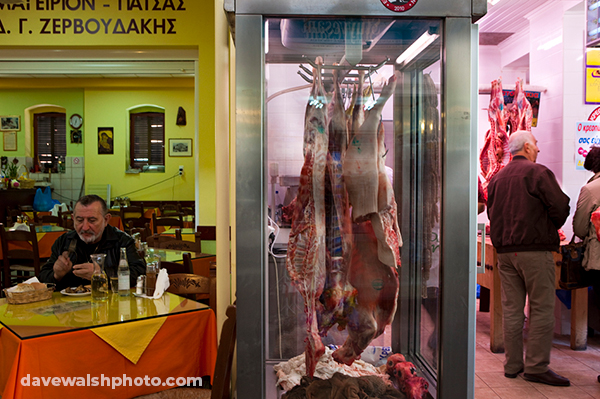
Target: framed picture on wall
x,y
10,141
180,147
10,123
105,140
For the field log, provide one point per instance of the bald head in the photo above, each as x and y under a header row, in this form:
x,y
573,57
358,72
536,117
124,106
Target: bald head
x,y
522,142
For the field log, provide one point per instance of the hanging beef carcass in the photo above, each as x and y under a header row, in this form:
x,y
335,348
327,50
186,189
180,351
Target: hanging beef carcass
x,y
306,248
520,111
494,154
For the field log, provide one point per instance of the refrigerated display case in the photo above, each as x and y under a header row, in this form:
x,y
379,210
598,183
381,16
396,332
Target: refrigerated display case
x,y
356,188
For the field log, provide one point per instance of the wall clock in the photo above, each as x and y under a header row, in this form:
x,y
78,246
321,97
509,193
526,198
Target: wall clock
x,y
75,121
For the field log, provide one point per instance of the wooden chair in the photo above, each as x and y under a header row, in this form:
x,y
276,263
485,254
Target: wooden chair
x,y
11,215
67,219
25,261
193,286
134,214
143,231
155,240
221,386
177,268
181,245
166,221
170,210
208,233
49,219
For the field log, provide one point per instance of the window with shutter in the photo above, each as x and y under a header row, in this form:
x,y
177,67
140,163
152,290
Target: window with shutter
x,y
147,139
50,138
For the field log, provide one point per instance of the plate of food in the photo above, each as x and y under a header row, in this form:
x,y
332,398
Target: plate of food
x,y
82,290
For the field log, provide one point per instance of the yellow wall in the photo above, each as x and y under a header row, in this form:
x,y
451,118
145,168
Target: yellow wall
x,y
104,102
15,101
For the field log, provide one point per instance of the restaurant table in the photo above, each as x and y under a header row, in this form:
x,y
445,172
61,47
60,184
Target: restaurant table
x,y
490,280
122,337
201,262
188,234
46,235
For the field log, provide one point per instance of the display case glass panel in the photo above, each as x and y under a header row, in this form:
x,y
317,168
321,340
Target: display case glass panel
x,y
354,181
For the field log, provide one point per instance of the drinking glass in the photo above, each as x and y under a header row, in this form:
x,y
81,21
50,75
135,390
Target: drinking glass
x,y
99,279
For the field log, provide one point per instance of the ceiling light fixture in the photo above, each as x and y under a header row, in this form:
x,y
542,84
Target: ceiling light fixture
x,y
414,49
493,2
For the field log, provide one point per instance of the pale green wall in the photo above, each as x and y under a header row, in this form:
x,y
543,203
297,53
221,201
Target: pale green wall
x,y
14,102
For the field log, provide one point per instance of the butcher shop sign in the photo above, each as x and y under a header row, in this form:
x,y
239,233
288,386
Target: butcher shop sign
x,y
588,135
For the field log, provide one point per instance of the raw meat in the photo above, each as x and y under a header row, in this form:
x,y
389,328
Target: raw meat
x,y
345,271
494,154
521,113
337,217
306,248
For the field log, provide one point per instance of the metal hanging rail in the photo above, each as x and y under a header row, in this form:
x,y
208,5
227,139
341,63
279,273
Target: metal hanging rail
x,y
370,69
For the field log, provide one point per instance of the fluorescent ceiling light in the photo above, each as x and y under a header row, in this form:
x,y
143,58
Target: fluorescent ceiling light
x,y
492,2
594,6
414,49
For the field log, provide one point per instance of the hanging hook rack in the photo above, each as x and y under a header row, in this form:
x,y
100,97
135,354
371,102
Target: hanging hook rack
x,y
371,69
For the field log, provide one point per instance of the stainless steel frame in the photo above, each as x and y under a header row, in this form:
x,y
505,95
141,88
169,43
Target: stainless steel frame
x,y
457,316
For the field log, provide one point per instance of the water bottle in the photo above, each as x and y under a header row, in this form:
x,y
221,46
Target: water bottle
x,y
123,273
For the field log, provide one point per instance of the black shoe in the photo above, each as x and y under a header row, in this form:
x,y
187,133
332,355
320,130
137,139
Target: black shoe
x,y
549,378
515,375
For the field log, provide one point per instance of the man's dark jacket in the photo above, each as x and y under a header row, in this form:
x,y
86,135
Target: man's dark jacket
x,y
112,241
526,207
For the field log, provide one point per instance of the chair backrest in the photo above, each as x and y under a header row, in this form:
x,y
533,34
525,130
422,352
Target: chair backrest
x,y
182,245
27,255
207,232
156,240
169,210
178,268
135,214
67,219
144,232
49,219
166,221
188,284
221,387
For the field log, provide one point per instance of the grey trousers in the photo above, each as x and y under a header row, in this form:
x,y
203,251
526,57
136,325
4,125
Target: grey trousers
x,y
525,274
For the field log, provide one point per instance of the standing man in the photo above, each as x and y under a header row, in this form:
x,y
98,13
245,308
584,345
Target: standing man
x,y
526,207
92,235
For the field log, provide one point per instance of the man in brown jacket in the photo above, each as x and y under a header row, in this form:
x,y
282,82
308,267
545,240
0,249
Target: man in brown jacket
x,y
526,207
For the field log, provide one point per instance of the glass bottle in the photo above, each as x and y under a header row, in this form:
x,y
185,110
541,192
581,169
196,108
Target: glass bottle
x,y
123,274
152,268
99,279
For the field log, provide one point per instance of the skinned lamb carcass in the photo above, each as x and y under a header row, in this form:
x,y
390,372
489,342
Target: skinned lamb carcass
x,y
494,153
376,236
306,247
337,215
346,272
521,113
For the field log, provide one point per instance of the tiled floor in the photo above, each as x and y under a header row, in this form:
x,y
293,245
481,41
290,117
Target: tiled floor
x,y
581,367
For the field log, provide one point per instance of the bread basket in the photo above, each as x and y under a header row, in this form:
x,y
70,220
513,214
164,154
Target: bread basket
x,y
17,298
24,181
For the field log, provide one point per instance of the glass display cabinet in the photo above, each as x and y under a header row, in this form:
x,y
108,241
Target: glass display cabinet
x,y
356,189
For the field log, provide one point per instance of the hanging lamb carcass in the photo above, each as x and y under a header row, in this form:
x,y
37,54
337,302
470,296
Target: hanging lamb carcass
x,y
344,247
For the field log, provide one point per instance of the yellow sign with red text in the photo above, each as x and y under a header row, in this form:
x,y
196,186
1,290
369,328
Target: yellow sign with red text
x,y
104,22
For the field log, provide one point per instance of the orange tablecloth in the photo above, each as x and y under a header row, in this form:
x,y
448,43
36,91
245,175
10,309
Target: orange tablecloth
x,y
45,241
185,346
116,221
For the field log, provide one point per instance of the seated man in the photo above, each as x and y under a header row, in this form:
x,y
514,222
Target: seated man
x,y
92,235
